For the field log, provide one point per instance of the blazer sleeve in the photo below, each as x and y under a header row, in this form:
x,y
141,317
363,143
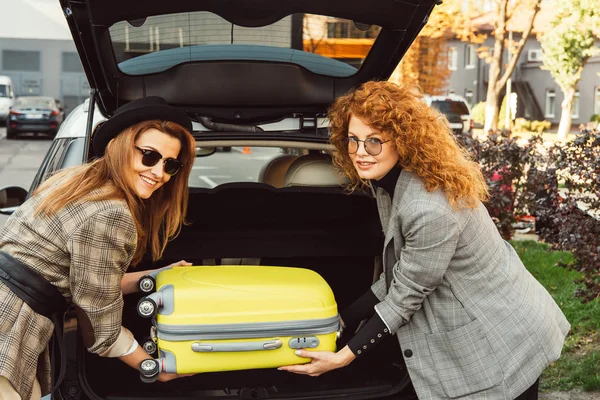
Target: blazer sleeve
x,y
431,234
101,249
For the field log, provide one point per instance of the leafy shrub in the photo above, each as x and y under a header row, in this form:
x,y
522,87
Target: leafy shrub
x,y
522,124
595,118
504,164
571,219
478,113
540,126
502,115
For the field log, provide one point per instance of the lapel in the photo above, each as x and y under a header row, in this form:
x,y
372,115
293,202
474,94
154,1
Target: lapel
x,y
389,222
387,210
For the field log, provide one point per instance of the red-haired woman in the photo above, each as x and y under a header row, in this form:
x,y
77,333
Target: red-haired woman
x,y
76,236
472,322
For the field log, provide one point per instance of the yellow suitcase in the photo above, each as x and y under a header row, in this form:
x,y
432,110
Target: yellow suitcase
x,y
223,318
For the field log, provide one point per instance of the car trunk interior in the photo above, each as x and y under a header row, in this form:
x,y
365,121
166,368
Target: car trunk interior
x,y
323,229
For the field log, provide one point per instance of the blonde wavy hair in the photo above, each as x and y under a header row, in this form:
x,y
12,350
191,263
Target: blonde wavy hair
x,y
159,218
422,137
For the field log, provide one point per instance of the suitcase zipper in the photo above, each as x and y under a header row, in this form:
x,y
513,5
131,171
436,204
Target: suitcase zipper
x,y
247,330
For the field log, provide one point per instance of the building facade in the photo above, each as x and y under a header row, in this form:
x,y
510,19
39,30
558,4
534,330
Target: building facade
x,y
38,53
538,96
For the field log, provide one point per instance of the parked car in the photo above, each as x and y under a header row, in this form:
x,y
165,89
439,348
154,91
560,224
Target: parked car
x,y
7,97
34,114
246,82
456,109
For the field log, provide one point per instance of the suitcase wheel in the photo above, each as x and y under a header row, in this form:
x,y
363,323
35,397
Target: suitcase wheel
x,y
149,370
147,284
146,307
150,347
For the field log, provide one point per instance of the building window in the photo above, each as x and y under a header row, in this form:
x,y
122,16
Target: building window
x,y
470,56
346,29
469,96
534,55
452,59
597,100
71,63
550,103
575,106
15,60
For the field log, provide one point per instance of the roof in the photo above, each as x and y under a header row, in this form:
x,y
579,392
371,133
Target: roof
x,y
33,19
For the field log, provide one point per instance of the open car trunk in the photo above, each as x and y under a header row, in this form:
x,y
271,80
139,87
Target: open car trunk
x,y
323,229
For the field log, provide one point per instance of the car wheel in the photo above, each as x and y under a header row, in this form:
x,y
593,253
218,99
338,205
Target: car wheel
x,y
10,134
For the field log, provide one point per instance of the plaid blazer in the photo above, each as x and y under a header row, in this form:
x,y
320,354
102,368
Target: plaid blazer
x,y
472,322
83,250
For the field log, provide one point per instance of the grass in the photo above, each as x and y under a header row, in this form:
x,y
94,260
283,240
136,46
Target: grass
x,y
579,364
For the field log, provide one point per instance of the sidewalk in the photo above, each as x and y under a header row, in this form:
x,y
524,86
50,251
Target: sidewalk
x,y
574,395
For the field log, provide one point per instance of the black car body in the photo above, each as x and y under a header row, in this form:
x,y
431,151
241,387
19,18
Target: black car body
x,y
266,101
35,114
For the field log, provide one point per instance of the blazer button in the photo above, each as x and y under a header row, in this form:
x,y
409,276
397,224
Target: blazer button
x,y
408,353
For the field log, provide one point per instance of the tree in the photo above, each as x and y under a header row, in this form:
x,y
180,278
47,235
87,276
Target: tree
x,y
505,9
426,62
566,48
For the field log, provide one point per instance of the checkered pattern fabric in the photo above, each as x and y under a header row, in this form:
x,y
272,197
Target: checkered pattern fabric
x,y
83,250
473,323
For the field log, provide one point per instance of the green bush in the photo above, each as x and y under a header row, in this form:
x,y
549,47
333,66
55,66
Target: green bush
x,y
502,115
522,124
540,126
595,118
478,113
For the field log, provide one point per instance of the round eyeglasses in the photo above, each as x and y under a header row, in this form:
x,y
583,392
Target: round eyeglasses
x,y
151,157
373,146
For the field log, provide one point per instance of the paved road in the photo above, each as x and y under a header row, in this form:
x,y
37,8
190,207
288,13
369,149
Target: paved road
x,y
19,160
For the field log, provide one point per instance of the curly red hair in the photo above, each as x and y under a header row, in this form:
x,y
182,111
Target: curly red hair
x,y
422,137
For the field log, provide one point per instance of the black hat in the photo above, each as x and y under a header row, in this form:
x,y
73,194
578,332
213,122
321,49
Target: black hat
x,y
144,109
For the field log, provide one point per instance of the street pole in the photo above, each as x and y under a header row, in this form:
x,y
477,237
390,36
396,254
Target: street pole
x,y
508,84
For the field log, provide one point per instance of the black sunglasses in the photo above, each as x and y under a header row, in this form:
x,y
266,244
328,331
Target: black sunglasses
x,y
373,146
151,157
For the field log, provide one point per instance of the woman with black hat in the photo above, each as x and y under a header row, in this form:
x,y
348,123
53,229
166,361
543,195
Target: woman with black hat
x,y
73,240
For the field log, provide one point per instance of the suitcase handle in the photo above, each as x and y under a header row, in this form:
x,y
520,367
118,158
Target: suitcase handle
x,y
207,347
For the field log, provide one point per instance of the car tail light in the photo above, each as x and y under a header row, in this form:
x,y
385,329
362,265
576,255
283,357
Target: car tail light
x,y
13,125
54,113
13,112
472,125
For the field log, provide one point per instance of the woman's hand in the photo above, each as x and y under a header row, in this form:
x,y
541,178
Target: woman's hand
x,y
129,283
322,361
178,264
167,376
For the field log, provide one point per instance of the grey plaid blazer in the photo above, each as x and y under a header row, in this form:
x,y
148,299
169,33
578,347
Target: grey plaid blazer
x,y
472,322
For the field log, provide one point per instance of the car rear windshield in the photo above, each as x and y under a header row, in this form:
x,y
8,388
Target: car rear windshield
x,y
34,102
324,45
451,106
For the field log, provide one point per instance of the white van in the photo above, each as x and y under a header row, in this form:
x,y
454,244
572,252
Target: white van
x,y
456,109
7,97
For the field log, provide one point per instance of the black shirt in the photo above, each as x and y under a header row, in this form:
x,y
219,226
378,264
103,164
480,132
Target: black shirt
x,y
374,330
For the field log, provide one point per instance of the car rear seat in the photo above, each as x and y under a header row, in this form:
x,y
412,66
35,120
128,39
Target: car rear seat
x,y
273,173
313,171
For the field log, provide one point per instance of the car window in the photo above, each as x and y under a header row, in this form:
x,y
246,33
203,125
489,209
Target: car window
x,y
451,106
234,164
34,102
311,41
63,153
3,91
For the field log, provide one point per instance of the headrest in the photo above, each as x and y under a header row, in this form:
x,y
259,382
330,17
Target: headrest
x,y
273,173
313,170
